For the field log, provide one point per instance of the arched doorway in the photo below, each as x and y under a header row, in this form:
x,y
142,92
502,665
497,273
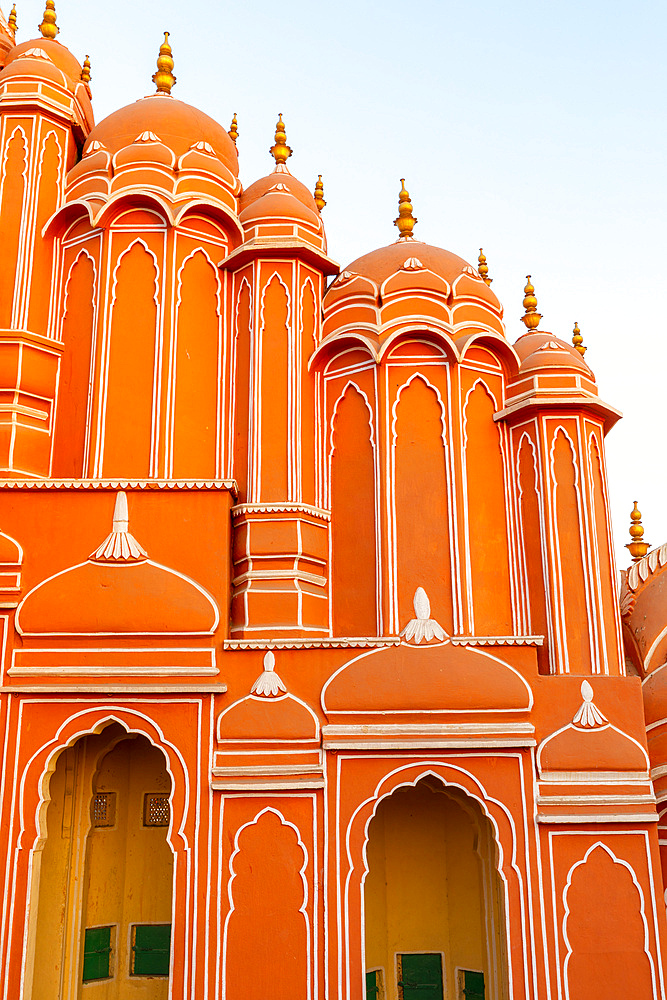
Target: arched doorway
x,y
101,907
434,910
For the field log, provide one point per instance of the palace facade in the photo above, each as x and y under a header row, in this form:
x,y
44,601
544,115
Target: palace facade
x,y
315,684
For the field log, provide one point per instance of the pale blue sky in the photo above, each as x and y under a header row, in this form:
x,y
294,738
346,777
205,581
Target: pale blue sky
x,y
536,130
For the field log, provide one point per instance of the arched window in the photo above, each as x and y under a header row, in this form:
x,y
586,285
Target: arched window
x,y
434,925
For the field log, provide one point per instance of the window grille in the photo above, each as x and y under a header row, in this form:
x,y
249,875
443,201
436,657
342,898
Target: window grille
x,y
156,809
104,808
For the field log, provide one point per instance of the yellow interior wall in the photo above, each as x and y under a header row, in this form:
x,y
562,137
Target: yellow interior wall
x,y
90,876
428,857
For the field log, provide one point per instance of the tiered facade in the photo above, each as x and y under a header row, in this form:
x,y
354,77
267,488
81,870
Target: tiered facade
x,y
312,683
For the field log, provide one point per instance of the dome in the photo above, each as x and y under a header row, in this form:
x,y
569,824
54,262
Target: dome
x,y
425,679
543,350
117,591
280,175
35,63
267,720
378,265
178,125
279,203
59,55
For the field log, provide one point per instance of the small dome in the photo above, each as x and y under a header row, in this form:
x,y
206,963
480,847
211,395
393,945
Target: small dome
x,y
267,720
543,350
176,124
412,256
279,204
280,175
59,55
417,679
118,591
36,63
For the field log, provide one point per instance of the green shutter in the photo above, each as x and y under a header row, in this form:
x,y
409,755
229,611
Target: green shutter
x,y
96,953
473,985
421,977
150,949
372,985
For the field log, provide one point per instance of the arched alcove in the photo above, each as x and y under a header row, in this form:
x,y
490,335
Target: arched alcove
x,y
434,902
102,873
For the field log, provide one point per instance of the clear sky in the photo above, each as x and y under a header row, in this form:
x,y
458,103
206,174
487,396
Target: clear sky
x,y
536,130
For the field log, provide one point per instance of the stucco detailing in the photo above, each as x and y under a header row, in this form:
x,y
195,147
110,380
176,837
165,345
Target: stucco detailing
x,y
268,684
120,545
640,571
422,626
588,716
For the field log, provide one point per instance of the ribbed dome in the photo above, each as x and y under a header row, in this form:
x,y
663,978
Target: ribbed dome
x,y
279,203
543,350
176,124
379,264
280,175
59,55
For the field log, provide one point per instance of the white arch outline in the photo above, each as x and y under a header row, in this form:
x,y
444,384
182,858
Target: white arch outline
x,y
303,909
617,861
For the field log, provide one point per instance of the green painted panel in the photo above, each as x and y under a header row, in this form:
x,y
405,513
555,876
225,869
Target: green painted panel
x,y
150,949
473,985
372,985
421,977
96,953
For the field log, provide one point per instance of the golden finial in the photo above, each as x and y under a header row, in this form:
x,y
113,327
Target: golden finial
x,y
318,193
48,27
578,340
280,151
11,20
234,130
85,71
532,317
406,220
483,267
164,79
637,547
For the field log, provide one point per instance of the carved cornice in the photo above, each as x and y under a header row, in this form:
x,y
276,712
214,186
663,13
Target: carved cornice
x,y
228,485
640,571
497,640
281,508
355,642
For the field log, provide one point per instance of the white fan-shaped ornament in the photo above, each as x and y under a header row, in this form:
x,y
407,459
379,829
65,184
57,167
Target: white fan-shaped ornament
x,y
588,716
268,684
422,626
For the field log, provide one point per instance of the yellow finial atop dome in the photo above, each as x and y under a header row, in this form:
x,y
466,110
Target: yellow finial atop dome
x,y
318,193
578,340
406,221
637,547
11,20
85,70
234,130
164,79
483,268
280,151
532,317
48,27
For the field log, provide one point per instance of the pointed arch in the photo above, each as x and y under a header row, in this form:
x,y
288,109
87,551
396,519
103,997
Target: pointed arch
x,y
576,624
531,524
76,368
605,577
13,189
264,892
39,276
354,542
608,948
274,403
487,514
196,367
421,543
243,353
306,422
131,356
